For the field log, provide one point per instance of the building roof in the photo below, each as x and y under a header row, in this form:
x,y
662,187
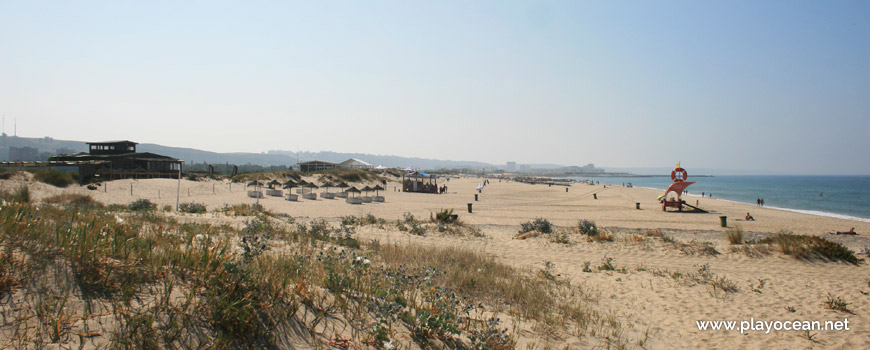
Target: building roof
x,y
355,161
112,142
318,161
131,155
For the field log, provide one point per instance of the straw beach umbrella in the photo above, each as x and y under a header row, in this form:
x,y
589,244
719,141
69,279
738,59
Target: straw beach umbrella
x,y
367,189
254,183
352,190
327,185
377,188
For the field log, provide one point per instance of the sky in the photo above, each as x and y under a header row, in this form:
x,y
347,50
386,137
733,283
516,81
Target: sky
x,y
779,87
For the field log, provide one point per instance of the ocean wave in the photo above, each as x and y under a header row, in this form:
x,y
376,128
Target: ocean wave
x,y
802,211
822,213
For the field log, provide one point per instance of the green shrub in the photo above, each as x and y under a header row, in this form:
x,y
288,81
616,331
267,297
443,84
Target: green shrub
x,y
54,177
539,224
192,207
588,228
142,205
445,216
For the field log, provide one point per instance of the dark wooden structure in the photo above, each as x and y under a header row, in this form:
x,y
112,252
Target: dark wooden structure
x,y
119,160
419,181
316,165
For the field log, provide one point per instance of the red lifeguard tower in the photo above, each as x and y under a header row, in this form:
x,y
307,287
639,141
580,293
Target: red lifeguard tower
x,y
679,176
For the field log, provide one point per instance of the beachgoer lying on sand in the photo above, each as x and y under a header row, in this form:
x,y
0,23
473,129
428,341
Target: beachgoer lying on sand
x,y
850,232
749,217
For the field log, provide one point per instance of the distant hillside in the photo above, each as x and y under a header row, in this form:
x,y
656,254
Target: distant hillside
x,y
48,146
388,161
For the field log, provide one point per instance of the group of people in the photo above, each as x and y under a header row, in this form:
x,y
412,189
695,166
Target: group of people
x,y
442,189
759,202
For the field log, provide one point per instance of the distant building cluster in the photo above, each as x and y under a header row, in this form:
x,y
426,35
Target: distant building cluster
x,y
317,165
23,154
511,166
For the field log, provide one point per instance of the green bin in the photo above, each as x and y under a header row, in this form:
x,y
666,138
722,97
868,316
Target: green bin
x,y
469,207
595,195
637,205
723,221
475,197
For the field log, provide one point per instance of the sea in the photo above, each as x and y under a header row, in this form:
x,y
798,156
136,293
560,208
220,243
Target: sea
x,y
845,197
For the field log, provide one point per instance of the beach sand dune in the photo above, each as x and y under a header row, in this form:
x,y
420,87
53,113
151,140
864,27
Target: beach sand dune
x,y
657,288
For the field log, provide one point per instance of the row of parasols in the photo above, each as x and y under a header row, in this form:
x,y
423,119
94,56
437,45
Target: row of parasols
x,y
327,185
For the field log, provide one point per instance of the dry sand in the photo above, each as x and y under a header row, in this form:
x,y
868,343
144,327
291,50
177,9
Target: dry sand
x,y
652,306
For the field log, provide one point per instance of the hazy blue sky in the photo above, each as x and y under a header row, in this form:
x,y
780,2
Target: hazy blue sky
x,y
776,86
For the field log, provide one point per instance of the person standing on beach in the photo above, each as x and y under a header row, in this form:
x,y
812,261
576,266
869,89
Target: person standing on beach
x,y
758,202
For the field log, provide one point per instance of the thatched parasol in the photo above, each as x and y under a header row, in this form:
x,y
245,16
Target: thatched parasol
x,y
352,190
290,184
377,188
366,190
327,185
254,183
273,183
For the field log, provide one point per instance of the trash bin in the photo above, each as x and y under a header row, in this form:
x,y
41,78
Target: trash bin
x,y
566,189
469,207
723,219
475,197
595,195
637,205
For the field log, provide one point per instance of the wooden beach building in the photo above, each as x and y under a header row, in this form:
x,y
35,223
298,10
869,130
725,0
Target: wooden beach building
x,y
316,165
119,160
419,181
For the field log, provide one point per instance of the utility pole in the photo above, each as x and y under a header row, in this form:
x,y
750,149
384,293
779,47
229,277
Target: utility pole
x,y
178,190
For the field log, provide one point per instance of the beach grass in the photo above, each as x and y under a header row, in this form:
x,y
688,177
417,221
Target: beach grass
x,y
162,283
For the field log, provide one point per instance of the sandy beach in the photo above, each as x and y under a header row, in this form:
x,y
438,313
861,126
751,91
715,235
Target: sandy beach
x,y
656,310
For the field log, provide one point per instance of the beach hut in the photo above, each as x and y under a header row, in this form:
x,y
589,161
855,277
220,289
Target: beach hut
x,y
378,198
353,200
301,187
289,195
419,181
310,194
367,198
342,185
326,194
